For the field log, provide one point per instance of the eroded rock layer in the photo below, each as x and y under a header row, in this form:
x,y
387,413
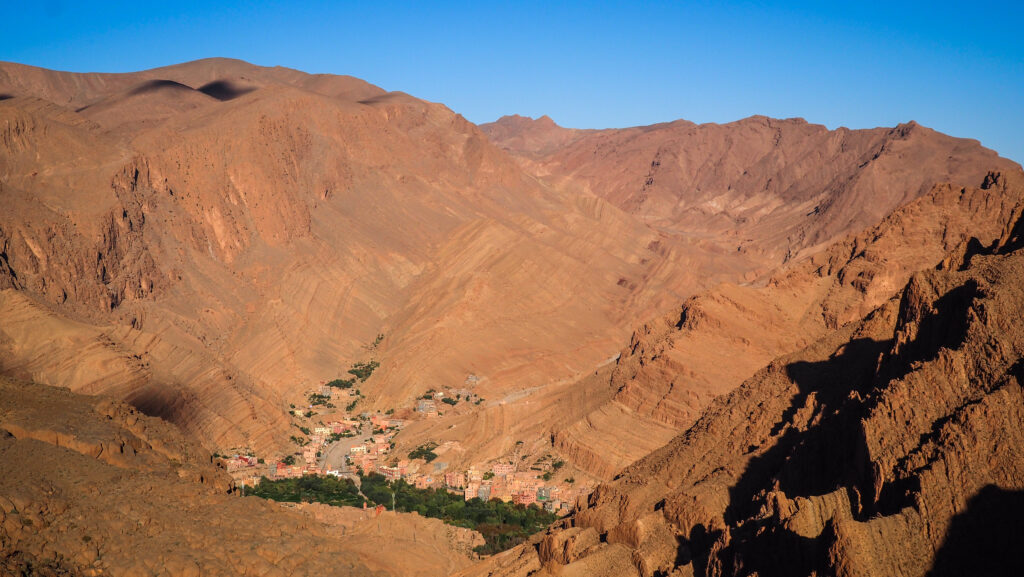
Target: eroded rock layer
x,y
217,238
675,366
890,446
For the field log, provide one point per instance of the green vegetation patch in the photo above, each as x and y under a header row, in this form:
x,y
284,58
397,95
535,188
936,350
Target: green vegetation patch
x,y
311,489
362,371
503,525
316,399
424,451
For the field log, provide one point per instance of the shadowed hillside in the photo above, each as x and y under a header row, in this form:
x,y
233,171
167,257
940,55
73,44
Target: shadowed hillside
x,y
866,453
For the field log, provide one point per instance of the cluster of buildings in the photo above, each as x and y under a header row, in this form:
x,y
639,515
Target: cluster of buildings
x,y
370,455
429,404
247,470
501,481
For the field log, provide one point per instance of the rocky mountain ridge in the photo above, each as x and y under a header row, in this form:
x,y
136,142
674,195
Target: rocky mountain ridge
x,y
888,446
673,368
222,256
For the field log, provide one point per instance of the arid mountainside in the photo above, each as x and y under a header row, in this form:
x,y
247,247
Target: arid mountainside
x,y
890,446
90,486
674,367
209,241
775,188
825,378
907,195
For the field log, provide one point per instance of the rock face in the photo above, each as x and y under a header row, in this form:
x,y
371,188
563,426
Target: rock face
x,y
211,239
217,237
775,188
890,446
400,543
771,191
674,367
91,486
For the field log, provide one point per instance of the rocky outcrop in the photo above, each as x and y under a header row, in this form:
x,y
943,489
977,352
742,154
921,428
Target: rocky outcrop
x,y
866,453
87,266
421,545
675,366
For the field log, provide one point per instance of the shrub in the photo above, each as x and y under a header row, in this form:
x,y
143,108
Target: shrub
x,y
317,399
424,451
342,383
362,371
309,488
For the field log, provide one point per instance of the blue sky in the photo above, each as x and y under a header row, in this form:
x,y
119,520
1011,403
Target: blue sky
x,y
956,67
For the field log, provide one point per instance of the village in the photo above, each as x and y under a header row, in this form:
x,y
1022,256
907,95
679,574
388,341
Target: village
x,y
341,444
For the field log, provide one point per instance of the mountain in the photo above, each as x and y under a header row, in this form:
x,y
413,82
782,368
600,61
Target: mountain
x,y
210,241
777,188
676,366
829,215
890,445
781,348
212,255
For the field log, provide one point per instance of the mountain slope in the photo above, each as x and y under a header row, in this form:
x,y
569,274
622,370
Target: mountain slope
x,y
218,238
227,252
868,452
777,188
675,367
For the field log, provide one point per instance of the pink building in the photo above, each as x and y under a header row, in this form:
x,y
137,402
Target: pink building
x,y
526,498
309,454
391,473
455,480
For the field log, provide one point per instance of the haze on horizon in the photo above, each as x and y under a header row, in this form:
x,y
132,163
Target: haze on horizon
x,y
951,67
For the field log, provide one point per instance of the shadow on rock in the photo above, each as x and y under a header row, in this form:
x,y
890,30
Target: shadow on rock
x,y
986,538
224,89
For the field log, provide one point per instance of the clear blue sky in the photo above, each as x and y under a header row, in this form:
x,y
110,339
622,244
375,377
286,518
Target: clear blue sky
x,y
954,66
